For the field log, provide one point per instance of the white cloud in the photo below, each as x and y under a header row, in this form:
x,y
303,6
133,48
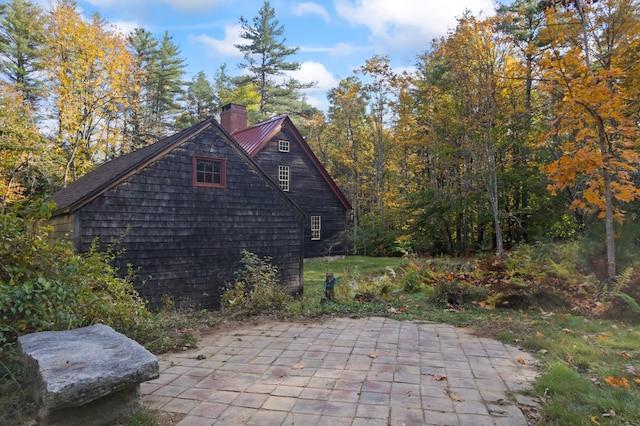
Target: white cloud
x,y
179,5
124,27
310,8
315,72
311,71
226,46
340,49
408,23
411,70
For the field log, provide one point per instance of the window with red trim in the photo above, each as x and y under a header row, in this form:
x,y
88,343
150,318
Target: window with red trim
x,y
209,172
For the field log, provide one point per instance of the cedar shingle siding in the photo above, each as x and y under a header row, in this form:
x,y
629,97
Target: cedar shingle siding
x,y
187,240
311,192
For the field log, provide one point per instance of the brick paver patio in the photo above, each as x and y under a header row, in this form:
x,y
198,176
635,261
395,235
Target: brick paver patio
x,y
374,371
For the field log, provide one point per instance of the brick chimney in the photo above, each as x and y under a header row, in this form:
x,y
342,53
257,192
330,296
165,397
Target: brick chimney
x,y
233,118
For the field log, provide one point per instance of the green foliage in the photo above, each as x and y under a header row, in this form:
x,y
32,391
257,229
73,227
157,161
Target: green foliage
x,y
265,59
143,417
21,44
45,285
170,329
448,291
256,289
416,277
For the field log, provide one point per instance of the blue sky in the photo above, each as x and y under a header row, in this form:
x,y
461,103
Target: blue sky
x,y
335,36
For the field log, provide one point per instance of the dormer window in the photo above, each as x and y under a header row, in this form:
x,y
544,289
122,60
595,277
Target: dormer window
x,y
209,172
283,145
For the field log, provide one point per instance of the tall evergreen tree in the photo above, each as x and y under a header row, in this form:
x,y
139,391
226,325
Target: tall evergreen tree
x,y
21,41
266,60
165,84
200,101
158,87
139,123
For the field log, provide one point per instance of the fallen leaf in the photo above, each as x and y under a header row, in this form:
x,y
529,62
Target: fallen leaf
x,y
594,420
297,366
617,382
522,361
610,413
568,330
631,370
637,381
543,351
624,355
538,334
453,396
568,358
439,378
373,355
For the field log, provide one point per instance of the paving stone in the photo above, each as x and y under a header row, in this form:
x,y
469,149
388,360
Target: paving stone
x,y
279,403
406,416
195,421
308,406
437,418
268,418
178,405
374,398
250,400
339,409
293,391
209,410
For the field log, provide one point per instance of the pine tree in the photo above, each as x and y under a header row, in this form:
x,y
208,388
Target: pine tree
x,y
266,60
200,101
21,41
164,85
139,123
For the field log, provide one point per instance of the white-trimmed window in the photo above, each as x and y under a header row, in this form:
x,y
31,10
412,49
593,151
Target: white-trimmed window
x,y
283,145
316,225
283,177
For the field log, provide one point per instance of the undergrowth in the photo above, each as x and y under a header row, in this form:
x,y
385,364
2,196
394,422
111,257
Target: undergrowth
x,y
590,373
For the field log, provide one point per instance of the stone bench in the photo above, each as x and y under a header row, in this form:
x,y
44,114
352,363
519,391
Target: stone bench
x,y
87,376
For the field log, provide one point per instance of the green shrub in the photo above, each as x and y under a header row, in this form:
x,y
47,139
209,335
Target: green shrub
x,y
448,291
46,285
416,277
256,289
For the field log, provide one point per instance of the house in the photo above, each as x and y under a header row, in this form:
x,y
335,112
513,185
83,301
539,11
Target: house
x,y
279,148
186,206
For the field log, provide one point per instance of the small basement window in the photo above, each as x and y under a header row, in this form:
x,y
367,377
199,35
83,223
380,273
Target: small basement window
x,y
283,177
283,145
316,225
209,172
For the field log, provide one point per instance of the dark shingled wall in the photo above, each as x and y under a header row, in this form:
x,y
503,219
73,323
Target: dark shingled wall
x,y
312,194
186,240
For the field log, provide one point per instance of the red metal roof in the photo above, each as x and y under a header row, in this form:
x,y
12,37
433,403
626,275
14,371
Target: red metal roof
x,y
253,139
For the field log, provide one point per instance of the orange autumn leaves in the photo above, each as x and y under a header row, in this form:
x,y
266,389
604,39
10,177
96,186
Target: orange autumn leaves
x,y
618,382
595,131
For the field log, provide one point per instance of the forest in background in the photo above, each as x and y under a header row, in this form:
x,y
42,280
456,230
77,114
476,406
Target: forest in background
x,y
517,128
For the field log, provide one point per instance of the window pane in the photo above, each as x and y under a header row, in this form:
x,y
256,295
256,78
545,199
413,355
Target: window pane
x,y
315,227
209,172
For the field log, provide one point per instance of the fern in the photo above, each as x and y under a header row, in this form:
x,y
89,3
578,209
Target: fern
x,y
622,280
630,301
